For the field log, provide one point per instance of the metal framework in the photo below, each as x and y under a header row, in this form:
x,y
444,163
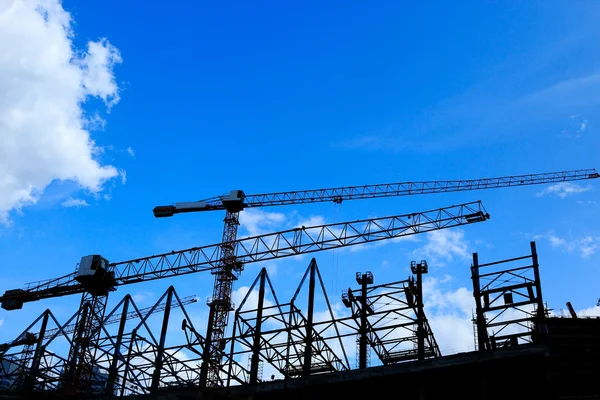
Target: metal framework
x,y
137,351
226,261
237,200
340,194
283,336
509,305
227,258
391,320
27,363
291,242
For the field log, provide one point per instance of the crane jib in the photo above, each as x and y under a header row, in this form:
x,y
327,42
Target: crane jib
x,y
300,240
237,200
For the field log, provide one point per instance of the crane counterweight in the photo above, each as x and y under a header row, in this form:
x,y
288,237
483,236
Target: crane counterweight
x,y
13,299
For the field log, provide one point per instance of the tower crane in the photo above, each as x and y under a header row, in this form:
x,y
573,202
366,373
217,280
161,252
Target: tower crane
x,y
96,278
230,267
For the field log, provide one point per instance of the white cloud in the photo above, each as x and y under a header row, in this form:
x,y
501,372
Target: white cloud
x,y
45,81
449,312
256,222
237,296
380,243
131,152
586,246
563,189
97,64
556,241
444,246
313,220
453,333
581,126
74,203
1,322
589,312
142,297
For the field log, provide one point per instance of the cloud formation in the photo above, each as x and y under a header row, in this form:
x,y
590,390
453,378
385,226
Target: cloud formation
x,y
443,246
70,202
450,313
45,82
586,246
257,222
563,189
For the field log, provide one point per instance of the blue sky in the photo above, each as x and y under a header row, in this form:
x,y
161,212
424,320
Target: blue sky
x,y
188,101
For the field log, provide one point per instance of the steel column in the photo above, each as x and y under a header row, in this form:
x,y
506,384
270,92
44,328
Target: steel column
x,y
482,339
112,372
421,333
362,354
161,345
306,365
29,385
255,358
541,327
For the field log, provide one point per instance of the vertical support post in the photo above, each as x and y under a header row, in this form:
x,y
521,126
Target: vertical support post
x,y
37,355
289,339
232,349
540,318
112,372
307,364
207,346
128,361
362,345
420,316
538,287
480,318
161,346
254,361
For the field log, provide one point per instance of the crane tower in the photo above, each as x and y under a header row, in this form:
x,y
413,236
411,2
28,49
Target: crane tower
x,y
236,201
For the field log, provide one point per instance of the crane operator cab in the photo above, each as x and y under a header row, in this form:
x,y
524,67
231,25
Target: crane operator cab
x,y
234,202
94,273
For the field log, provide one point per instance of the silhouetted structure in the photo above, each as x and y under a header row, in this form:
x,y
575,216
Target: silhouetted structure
x,y
137,355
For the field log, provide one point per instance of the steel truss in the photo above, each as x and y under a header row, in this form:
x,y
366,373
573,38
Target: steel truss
x,y
390,319
28,364
135,352
290,341
226,261
509,305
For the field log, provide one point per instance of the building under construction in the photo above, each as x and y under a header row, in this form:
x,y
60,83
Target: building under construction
x,y
266,347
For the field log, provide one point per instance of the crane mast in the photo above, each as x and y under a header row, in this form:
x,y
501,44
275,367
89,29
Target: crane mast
x,y
220,304
230,269
95,278
225,260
